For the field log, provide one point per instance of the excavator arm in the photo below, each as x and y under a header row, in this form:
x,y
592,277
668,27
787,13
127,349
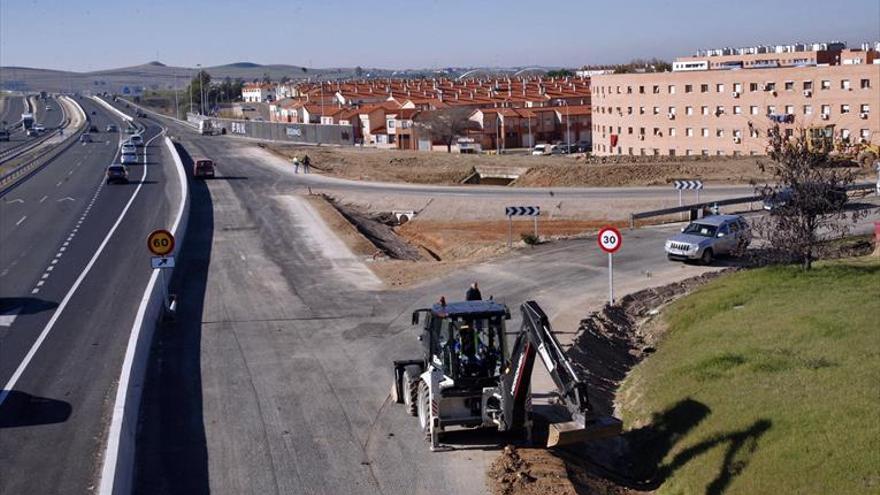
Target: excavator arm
x,y
536,338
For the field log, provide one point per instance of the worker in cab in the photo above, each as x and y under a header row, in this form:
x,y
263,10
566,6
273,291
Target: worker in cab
x,y
473,293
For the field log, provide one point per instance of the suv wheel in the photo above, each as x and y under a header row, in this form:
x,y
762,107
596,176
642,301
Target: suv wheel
x,y
706,259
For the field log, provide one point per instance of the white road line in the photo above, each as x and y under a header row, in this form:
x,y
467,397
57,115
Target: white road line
x,y
8,317
10,385
44,198
59,184
22,220
50,268
45,276
40,283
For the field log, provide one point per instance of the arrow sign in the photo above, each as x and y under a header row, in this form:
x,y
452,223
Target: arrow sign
x,y
522,211
688,184
162,262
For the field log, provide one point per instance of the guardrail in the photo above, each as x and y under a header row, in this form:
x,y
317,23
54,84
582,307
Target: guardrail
x,y
721,202
30,167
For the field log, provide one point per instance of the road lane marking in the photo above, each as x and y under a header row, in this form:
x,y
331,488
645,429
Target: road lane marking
x,y
16,200
66,198
59,183
10,384
45,276
8,316
40,283
22,220
44,198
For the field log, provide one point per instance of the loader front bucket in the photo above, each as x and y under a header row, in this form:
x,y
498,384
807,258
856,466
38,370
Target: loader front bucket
x,y
571,432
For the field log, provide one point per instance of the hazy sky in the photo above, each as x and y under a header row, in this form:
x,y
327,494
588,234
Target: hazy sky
x,y
88,35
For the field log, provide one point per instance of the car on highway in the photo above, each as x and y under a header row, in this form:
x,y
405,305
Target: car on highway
x,y
137,140
111,128
93,128
835,198
128,148
130,130
4,135
708,237
128,158
39,128
85,138
32,132
541,149
117,173
202,168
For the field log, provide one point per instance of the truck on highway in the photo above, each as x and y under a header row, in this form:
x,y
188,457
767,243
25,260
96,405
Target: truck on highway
x,y
469,376
27,121
206,128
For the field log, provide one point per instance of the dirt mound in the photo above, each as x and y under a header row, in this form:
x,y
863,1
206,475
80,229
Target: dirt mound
x,y
528,472
377,229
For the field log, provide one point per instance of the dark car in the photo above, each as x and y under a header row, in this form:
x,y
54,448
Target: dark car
x,y
110,128
202,168
117,173
833,198
93,128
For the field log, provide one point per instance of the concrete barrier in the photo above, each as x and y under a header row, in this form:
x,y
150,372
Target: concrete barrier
x,y
117,472
113,109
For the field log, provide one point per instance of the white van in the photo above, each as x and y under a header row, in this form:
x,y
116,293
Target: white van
x,y
541,149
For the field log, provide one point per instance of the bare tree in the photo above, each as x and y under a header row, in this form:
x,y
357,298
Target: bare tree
x,y
807,197
446,124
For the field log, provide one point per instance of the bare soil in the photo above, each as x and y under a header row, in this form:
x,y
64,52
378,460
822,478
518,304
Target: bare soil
x,y
542,171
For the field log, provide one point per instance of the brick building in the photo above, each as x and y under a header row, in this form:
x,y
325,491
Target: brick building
x,y
722,102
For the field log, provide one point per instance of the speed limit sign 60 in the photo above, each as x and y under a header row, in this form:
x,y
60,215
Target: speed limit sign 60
x,y
160,242
609,239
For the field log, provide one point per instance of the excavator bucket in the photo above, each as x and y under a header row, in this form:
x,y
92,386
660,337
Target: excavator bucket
x,y
570,432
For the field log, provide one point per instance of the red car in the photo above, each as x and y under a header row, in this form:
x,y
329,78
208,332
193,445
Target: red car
x,y
203,167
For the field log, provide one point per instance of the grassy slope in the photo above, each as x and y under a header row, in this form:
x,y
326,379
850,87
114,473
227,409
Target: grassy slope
x,y
788,365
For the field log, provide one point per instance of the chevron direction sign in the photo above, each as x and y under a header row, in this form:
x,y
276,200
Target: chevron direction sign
x,y
688,184
522,211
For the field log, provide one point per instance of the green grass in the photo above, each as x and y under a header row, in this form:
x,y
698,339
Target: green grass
x,y
768,381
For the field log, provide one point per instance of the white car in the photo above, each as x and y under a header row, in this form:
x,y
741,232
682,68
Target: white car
x,y
541,149
128,158
137,140
39,128
129,149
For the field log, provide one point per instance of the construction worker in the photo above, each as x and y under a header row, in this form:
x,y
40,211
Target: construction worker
x,y
295,164
473,293
306,162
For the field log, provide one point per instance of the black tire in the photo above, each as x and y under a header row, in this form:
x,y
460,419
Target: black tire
x,y
411,388
706,259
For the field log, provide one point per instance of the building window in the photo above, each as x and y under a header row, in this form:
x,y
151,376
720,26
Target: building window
x,y
642,151
688,110
688,152
789,109
844,84
641,110
704,88
737,87
719,110
689,88
705,132
671,132
737,133
719,88
671,89
656,110
705,110
641,131
753,87
629,130
656,90
629,91
641,90
808,85
719,133
789,85
720,152
630,151
826,109
753,132
656,152
671,152
865,134
771,109
657,131
808,109
689,132
704,152
866,84
753,110
844,108
618,89
865,108
737,110
844,134
671,111
826,84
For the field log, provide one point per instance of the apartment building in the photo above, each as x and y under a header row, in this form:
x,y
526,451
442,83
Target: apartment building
x,y
257,92
724,106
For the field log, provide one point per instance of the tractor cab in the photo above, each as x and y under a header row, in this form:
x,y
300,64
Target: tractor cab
x,y
465,340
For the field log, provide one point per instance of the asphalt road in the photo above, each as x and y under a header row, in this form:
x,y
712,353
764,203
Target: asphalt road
x,y
66,310
48,118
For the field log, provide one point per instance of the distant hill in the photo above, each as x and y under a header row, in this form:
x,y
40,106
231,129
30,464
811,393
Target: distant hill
x,y
156,75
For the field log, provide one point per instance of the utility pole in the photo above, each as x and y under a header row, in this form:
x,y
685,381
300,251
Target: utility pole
x,y
567,127
176,104
191,94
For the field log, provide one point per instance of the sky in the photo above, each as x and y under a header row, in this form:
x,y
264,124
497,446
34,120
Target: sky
x,y
86,35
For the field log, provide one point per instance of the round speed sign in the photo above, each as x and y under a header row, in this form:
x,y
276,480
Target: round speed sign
x,y
160,242
609,239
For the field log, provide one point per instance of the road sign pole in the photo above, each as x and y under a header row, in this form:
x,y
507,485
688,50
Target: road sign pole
x,y
536,226
509,231
164,290
680,203
610,279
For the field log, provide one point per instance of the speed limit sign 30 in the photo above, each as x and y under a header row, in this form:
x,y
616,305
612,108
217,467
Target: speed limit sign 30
x,y
609,239
160,242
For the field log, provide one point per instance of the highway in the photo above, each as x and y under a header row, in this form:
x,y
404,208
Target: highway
x,y
12,114
275,376
73,269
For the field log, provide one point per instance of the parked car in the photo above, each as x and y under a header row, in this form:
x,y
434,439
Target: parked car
x,y
584,147
541,149
709,237
559,149
834,199
117,173
128,158
111,128
203,167
85,138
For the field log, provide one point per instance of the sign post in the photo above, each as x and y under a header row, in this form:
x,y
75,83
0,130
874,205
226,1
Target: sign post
x,y
520,211
161,244
610,240
681,185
